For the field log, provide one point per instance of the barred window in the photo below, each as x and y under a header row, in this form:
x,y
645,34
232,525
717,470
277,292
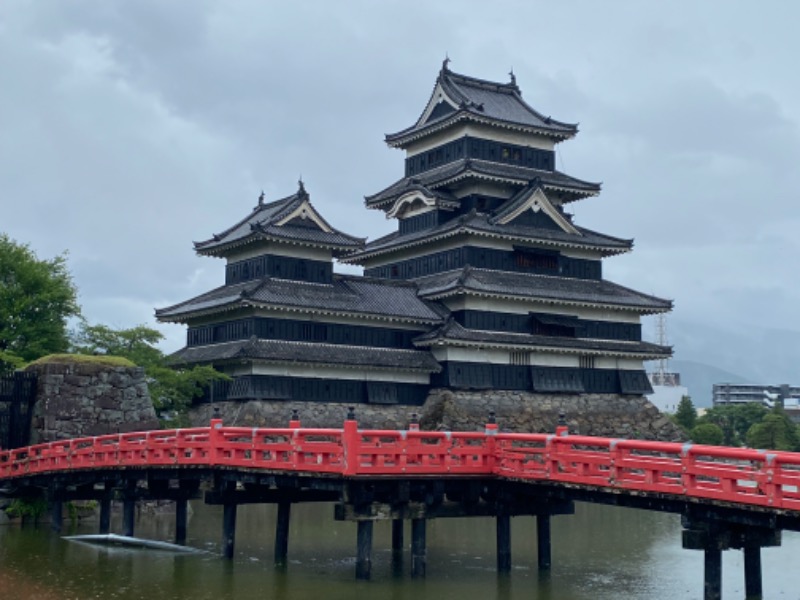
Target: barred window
x,y
521,358
586,362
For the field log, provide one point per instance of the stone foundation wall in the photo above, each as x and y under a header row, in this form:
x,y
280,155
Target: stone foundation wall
x,y
75,399
608,415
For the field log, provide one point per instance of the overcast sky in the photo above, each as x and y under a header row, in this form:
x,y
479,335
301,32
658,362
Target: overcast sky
x,y
130,129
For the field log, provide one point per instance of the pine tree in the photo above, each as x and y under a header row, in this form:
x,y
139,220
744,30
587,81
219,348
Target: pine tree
x,y
686,414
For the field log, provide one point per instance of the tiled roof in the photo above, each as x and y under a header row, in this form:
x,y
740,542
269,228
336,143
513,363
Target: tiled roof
x,y
348,294
453,332
545,288
481,224
483,169
262,223
486,101
306,353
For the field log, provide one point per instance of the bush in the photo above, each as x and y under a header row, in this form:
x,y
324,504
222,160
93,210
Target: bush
x,y
707,433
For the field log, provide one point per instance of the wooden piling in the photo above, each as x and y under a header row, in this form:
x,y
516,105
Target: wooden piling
x,y
282,533
364,550
397,544
56,515
228,529
418,550
503,543
105,515
181,516
128,516
752,572
712,585
543,541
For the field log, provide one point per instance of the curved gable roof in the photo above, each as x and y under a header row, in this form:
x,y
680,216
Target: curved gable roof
x,y
292,219
479,99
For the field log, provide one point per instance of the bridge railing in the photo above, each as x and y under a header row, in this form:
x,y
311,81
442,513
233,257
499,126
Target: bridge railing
x,y
389,452
739,475
288,449
748,476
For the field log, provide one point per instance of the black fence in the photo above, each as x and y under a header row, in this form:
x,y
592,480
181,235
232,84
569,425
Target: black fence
x,y
17,395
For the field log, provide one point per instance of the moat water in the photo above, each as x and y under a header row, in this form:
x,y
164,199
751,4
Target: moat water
x,y
599,553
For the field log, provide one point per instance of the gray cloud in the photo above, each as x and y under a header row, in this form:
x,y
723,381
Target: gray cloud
x,y
130,129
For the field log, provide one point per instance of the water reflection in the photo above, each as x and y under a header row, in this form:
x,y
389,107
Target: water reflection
x,y
598,553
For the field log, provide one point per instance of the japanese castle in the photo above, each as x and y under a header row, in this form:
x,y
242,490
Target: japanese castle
x,y
487,283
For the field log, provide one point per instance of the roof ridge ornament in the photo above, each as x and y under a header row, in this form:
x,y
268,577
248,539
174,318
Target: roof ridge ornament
x,y
301,189
261,199
513,77
445,62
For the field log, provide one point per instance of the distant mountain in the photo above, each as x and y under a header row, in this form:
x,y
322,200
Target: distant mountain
x,y
699,378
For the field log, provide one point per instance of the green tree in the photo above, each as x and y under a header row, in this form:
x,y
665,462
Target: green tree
x,y
686,414
138,344
707,433
37,297
775,432
735,420
171,389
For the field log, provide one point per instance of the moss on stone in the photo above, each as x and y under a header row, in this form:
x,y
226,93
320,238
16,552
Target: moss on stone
x,y
83,359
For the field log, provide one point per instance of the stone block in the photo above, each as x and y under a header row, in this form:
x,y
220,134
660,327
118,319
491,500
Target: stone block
x,y
107,402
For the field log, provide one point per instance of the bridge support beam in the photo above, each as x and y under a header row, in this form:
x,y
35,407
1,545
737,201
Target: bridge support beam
x,y
716,536
418,550
364,550
543,541
282,533
503,543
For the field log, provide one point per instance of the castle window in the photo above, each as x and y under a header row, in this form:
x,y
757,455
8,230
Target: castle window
x,y
535,261
586,362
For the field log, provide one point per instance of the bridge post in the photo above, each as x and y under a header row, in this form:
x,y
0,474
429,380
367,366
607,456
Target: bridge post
x,y
350,442
364,550
418,551
543,541
282,533
294,421
503,543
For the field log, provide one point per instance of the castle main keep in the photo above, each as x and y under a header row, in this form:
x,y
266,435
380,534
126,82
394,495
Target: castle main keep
x,y
487,285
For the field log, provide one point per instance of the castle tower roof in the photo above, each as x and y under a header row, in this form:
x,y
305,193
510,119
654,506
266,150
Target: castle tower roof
x,y
292,220
459,98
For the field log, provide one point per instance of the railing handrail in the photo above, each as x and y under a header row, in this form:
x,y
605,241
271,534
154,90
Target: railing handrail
x,y
740,475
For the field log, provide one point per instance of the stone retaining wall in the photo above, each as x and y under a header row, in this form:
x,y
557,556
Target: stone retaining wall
x,y
76,399
607,415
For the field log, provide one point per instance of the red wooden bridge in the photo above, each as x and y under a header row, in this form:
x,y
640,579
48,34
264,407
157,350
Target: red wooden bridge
x,y
729,497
